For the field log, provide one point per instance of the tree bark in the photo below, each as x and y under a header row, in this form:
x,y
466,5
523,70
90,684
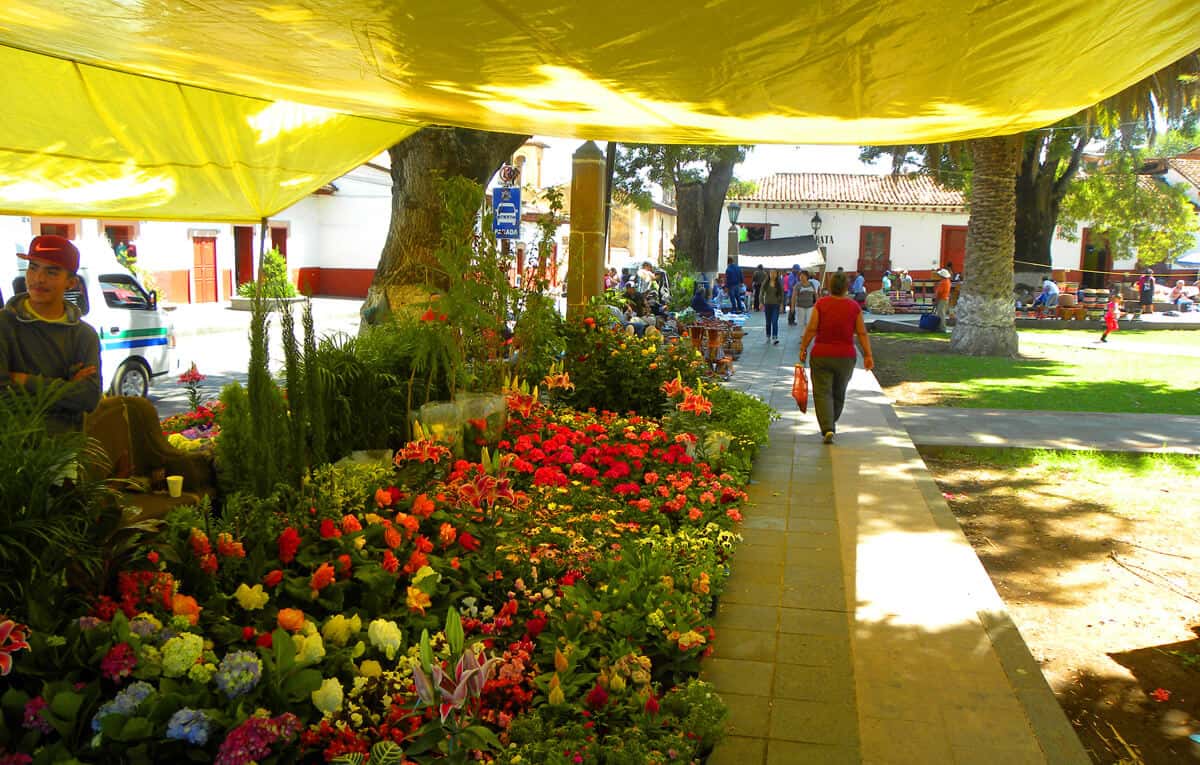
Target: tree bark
x,y
985,325
407,264
1042,182
698,205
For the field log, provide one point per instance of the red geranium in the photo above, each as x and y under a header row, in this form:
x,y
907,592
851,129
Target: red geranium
x,y
289,543
468,542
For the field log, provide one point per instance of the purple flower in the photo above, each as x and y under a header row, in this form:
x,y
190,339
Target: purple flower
x,y
189,725
33,719
251,741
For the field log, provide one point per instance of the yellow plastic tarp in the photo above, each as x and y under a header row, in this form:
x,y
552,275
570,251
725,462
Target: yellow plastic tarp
x,y
744,71
80,140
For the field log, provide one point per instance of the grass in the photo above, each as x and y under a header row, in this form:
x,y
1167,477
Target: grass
x,y
1142,484
919,369
1181,338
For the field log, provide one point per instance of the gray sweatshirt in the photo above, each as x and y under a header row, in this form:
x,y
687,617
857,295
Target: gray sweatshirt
x,y
51,351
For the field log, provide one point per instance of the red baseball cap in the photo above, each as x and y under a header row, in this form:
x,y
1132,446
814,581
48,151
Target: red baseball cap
x,y
53,250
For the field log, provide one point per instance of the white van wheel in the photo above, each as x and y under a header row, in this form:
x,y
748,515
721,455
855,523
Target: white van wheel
x,y
133,379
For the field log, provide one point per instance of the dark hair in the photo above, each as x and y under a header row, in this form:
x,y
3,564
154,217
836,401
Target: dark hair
x,y
837,284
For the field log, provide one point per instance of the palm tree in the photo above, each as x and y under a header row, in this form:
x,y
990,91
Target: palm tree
x,y
985,325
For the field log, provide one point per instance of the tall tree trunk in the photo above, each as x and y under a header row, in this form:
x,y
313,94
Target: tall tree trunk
x,y
407,263
1049,162
985,306
698,222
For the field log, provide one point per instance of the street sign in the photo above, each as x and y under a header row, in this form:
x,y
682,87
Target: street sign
x,y
506,212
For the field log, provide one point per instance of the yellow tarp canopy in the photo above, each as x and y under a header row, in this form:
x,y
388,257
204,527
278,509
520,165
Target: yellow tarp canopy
x,y
745,71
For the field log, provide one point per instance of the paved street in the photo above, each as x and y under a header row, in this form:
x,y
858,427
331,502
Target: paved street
x,y
217,338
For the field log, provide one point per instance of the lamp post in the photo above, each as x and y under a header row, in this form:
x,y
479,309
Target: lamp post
x,y
734,209
816,228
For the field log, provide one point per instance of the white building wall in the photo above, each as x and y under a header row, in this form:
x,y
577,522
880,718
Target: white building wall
x,y
352,225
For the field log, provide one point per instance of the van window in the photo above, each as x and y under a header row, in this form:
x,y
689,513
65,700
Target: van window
x,y
122,291
76,296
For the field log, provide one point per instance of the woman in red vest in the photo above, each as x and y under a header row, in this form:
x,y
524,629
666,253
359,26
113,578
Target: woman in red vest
x,y
834,323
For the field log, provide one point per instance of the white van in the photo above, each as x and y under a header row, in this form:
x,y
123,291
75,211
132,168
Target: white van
x,y
137,339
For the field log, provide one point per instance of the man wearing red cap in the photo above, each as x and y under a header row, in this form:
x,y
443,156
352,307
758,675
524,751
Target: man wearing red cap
x,y
43,338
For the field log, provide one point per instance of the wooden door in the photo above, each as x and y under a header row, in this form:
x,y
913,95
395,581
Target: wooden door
x,y
243,255
874,253
954,248
279,237
204,269
1094,261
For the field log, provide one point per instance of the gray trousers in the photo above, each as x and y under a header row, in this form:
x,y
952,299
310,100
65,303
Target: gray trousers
x,y
830,378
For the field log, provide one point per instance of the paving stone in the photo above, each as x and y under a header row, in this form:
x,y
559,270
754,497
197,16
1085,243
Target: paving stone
x,y
814,722
807,540
739,750
826,684
757,553
814,622
977,755
746,616
905,742
748,715
828,597
811,525
753,593
814,651
796,753
754,521
739,676
746,644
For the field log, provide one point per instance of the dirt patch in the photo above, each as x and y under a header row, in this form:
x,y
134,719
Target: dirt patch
x,y
894,379
1101,573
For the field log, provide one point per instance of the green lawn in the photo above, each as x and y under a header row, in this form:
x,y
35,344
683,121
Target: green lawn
x,y
1184,338
918,369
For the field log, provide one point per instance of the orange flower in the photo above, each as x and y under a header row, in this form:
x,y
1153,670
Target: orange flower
x,y
291,619
417,600
350,524
391,537
673,387
383,498
694,402
322,577
423,506
186,605
447,534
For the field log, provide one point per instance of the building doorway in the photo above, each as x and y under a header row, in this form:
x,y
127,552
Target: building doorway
x,y
954,248
1095,261
204,270
874,253
279,237
243,255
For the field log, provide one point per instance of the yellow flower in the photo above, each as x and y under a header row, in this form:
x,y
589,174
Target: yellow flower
x,y
385,636
425,572
251,598
328,698
310,649
418,600
338,629
370,668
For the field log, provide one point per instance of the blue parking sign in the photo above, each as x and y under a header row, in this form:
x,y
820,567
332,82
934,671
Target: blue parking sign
x,y
506,212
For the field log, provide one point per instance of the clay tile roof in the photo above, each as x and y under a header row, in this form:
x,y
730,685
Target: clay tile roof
x,y
850,190
1188,168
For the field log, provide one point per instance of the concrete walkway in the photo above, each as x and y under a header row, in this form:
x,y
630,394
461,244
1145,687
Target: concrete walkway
x,y
1102,431
858,626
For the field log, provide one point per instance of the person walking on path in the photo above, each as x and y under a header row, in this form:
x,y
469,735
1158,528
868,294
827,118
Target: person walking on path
x,y
941,298
736,284
758,280
1112,312
772,298
834,323
1145,287
804,296
44,339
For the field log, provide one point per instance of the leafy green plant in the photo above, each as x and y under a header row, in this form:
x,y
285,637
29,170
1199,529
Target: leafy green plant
x,y
272,279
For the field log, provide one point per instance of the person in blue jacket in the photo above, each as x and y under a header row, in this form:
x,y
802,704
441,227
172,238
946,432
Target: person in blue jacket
x,y
736,284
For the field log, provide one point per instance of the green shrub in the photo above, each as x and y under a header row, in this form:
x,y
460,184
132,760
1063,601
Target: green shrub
x,y
273,278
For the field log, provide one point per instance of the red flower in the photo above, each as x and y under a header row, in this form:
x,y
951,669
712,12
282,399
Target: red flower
x,y
1160,694
247,633
322,577
468,542
350,524
208,564
415,562
289,543
273,578
199,543
119,662
423,544
652,704
596,698
329,529
423,506
429,315
344,565
390,563
264,640
534,627
229,548
152,557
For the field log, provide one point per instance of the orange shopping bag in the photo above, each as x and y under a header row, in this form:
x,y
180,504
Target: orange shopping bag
x,y
800,388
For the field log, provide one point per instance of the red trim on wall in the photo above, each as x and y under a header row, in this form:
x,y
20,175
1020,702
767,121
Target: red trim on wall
x,y
336,282
174,286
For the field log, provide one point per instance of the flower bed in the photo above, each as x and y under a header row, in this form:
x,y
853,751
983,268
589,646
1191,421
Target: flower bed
x,y
550,602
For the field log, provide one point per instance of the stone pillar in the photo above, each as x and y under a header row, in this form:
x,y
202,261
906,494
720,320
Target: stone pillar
x,y
585,255
732,246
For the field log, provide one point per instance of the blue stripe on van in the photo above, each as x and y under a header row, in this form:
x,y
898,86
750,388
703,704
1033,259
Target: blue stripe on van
x,y
112,345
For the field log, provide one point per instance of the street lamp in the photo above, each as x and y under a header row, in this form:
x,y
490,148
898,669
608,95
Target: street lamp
x,y
815,223
734,208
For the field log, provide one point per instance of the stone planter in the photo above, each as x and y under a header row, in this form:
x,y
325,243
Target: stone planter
x,y
239,303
